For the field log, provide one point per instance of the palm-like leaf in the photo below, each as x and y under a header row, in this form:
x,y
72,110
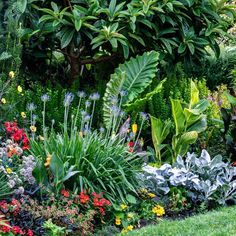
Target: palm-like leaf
x,y
133,77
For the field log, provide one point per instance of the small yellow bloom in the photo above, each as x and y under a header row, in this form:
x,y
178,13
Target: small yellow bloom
x,y
158,210
48,160
33,128
23,115
123,206
130,227
81,134
134,128
3,101
9,170
151,195
118,221
41,138
11,74
19,89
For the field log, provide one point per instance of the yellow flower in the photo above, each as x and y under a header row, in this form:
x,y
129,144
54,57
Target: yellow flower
x,y
118,221
158,210
48,160
81,134
33,128
3,100
11,74
123,206
9,170
130,227
23,115
41,138
151,195
134,128
19,89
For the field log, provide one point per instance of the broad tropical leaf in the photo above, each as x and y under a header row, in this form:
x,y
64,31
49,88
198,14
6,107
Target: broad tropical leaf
x,y
141,101
133,76
178,115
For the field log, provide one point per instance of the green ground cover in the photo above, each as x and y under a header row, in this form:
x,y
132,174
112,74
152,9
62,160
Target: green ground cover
x,y
216,223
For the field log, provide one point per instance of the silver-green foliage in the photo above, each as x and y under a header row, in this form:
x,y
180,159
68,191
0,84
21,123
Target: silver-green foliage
x,y
204,178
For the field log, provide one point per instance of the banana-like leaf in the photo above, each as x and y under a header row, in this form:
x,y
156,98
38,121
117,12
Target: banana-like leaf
x,y
182,145
194,94
160,131
133,76
201,106
200,125
141,101
178,115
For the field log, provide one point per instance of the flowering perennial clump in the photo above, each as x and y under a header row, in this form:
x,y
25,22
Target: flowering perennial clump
x,y
17,135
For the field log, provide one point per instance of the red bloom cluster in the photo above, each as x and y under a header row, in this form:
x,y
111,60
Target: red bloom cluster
x,y
84,198
16,230
65,193
12,207
100,202
16,134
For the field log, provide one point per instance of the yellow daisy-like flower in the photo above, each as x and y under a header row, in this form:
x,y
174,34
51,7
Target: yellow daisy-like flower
x,y
33,128
118,221
151,195
158,210
11,74
130,227
9,170
19,89
123,206
134,128
3,101
23,115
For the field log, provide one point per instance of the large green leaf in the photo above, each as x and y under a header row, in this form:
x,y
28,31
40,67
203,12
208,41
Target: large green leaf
x,y
133,76
178,115
182,145
194,94
160,131
141,101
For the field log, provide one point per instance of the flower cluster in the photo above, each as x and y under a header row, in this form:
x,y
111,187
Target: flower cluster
x,y
158,210
12,208
17,135
27,167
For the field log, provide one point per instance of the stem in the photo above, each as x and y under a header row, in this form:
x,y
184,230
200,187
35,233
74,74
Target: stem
x,y
91,119
138,134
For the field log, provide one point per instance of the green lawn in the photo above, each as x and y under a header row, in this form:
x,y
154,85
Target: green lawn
x,y
217,223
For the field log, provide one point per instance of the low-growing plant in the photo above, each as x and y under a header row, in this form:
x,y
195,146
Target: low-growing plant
x,y
80,157
205,179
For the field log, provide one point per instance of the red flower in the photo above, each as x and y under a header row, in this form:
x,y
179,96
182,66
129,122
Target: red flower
x,y
101,202
5,228
17,230
102,211
84,198
65,193
29,232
